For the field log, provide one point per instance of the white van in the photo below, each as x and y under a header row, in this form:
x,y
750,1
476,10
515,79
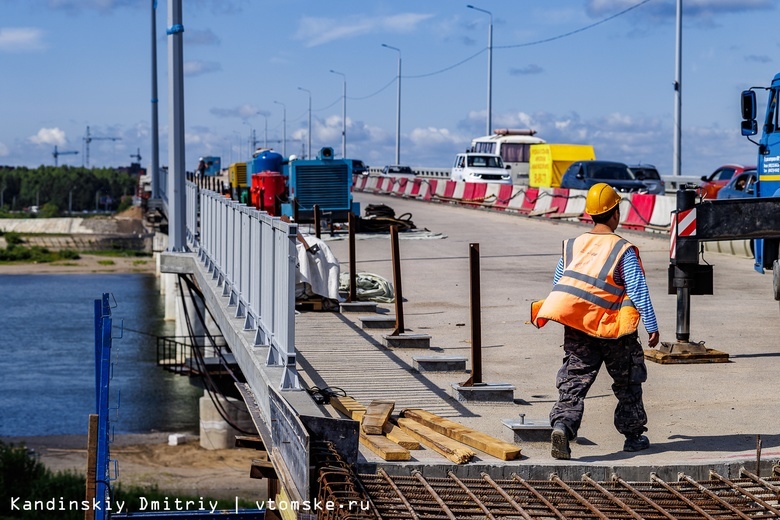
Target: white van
x,y
480,167
514,147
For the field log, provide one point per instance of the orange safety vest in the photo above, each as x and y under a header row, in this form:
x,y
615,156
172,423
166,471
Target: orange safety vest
x,y
587,297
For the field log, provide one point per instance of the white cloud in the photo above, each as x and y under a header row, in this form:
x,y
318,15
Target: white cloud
x,y
3,150
244,111
21,39
318,31
49,136
196,68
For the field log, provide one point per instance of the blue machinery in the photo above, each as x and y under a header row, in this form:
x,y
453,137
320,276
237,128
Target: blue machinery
x,y
103,324
99,475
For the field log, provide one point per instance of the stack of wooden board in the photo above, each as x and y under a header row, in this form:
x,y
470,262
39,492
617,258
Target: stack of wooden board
x,y
392,441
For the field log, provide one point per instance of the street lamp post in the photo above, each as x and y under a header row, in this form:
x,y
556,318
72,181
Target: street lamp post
x,y
250,141
343,115
398,111
490,70
265,137
284,127
308,156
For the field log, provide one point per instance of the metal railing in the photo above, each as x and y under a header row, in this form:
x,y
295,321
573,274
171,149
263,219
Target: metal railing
x,y
253,258
180,354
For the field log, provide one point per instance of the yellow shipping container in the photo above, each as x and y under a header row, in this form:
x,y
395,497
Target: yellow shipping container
x,y
237,175
549,161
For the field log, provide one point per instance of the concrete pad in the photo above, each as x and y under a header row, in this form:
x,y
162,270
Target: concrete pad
x,y
439,364
484,393
358,307
378,322
526,430
407,341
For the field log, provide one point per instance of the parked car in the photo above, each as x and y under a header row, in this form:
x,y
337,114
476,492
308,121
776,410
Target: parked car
x,y
359,167
581,175
480,167
712,183
395,170
648,174
741,185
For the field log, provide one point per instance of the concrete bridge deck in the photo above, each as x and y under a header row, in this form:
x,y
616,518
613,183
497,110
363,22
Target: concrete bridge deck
x,y
700,416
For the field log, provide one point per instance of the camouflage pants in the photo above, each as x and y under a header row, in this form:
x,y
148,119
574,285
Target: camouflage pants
x,y
584,355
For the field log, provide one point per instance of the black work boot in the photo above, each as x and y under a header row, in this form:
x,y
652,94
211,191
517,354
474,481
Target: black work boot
x,y
560,442
636,443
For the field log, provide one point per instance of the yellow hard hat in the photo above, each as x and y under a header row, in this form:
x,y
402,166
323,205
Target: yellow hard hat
x,y
601,198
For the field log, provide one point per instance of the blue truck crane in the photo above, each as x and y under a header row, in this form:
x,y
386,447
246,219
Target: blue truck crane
x,y
756,218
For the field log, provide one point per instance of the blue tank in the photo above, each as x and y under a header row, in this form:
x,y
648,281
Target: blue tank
x,y
267,161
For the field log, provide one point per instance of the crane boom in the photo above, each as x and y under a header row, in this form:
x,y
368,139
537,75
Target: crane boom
x,y
57,153
88,138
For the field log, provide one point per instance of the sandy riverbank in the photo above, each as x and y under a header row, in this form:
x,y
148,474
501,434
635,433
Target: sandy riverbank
x,y
147,460
85,265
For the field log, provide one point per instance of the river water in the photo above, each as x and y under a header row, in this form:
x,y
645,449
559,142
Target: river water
x,y
47,351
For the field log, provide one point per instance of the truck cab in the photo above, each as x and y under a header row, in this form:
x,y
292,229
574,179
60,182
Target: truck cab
x,y
767,251
480,167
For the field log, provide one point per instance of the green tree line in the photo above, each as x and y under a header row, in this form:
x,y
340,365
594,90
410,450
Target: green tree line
x,y
57,187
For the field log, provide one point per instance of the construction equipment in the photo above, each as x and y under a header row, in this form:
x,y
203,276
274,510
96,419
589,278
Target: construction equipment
x,y
57,153
88,138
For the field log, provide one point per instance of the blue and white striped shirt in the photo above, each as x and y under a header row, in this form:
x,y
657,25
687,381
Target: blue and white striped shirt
x,y
629,274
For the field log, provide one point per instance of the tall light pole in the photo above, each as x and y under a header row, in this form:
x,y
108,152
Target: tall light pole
x,y
176,182
308,156
265,142
490,70
343,115
677,161
284,127
155,166
398,111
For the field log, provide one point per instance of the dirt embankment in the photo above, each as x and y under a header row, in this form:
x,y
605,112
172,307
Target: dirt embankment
x,y
146,460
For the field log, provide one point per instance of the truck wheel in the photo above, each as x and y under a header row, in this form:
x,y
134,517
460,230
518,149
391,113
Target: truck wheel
x,y
776,279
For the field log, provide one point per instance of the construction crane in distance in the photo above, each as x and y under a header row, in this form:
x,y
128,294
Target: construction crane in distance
x,y
89,138
136,155
57,153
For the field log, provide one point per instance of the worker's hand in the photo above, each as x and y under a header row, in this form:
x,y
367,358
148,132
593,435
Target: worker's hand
x,y
653,339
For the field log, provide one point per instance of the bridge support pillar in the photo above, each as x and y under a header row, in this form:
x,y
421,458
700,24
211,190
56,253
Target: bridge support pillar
x,y
215,432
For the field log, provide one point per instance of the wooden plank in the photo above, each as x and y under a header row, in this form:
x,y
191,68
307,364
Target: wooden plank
x,y
400,437
712,356
442,444
377,414
250,441
262,468
453,430
348,406
384,447
92,438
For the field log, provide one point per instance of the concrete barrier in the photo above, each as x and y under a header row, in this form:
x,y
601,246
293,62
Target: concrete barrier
x,y
639,211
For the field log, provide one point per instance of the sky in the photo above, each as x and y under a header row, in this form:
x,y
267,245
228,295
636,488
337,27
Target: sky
x,y
597,72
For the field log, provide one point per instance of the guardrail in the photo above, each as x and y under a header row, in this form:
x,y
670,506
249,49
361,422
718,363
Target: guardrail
x,y
253,257
673,182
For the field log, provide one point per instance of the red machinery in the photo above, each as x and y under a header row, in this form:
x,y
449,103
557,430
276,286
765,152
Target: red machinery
x,y
268,189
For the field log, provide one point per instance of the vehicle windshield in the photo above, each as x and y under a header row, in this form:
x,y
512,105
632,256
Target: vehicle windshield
x,y
485,161
646,173
611,172
399,169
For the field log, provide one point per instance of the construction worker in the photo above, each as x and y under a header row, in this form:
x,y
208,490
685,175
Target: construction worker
x,y
599,294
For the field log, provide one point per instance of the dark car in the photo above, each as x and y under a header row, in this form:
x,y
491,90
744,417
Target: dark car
x,y
712,183
359,167
398,171
740,186
581,175
648,174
